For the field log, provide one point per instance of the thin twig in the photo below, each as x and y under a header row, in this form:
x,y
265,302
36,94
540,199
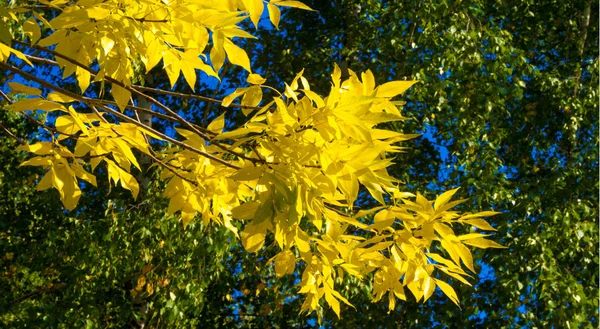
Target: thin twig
x,y
191,96
99,114
9,133
173,170
37,292
43,125
6,97
144,20
93,156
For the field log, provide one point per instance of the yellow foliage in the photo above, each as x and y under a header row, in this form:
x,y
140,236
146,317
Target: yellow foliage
x,y
293,170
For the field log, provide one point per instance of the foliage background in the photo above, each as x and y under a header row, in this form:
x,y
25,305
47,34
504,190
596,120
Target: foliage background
x,y
508,108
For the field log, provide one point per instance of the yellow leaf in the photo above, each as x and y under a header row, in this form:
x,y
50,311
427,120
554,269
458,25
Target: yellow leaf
x,y
416,290
393,88
234,134
128,182
362,213
141,282
348,184
216,126
121,96
23,89
255,8
107,44
154,51
450,205
289,92
231,97
78,120
255,79
46,181
228,224
61,98
248,174
172,65
480,214
4,49
176,202
368,81
285,263
5,52
189,73
31,28
237,55
441,260
452,251
69,190
217,53
483,243
32,104
97,13
83,78
126,150
399,290
274,14
301,240
37,161
444,231
370,253
294,4
81,173
470,236
53,38
448,291
480,224
252,97
383,219
424,203
236,32
352,269
454,275
253,236
314,97
444,198
39,148
66,125
428,288
245,211
402,195
342,298
333,303
465,255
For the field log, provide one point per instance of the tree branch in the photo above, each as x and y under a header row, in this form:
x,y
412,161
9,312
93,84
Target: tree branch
x,y
190,96
6,97
9,133
90,101
135,89
202,132
40,291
